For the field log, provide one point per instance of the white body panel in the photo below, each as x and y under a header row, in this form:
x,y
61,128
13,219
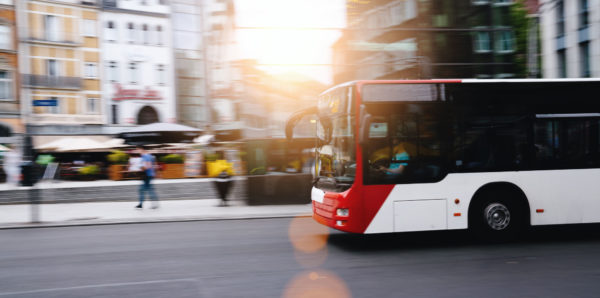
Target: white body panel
x,y
317,195
566,196
424,215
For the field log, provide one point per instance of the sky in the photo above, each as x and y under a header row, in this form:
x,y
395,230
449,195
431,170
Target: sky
x,y
285,46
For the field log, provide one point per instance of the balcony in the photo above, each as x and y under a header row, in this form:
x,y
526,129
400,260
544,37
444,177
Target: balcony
x,y
65,119
53,37
56,82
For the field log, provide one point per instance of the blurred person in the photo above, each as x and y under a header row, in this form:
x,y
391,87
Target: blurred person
x,y
395,165
12,166
148,164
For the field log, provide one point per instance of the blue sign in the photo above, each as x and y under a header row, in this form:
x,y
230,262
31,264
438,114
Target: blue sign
x,y
45,103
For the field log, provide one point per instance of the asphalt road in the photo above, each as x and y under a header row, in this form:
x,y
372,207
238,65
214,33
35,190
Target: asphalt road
x,y
291,258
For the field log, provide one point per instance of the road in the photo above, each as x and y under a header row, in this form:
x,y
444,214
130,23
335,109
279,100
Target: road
x,y
291,258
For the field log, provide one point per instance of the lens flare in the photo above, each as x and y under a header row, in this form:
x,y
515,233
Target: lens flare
x,y
312,284
307,236
311,260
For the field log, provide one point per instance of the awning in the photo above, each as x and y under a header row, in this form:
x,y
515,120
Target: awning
x,y
75,143
160,133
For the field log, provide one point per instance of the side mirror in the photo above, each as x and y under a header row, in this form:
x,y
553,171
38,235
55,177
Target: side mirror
x,y
295,118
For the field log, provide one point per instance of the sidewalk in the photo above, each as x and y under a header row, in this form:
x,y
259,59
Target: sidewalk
x,y
54,184
93,213
111,191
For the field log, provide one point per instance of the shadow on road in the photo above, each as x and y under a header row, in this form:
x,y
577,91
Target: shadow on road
x,y
462,238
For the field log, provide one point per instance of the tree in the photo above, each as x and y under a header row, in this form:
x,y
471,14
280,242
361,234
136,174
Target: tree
x,y
520,22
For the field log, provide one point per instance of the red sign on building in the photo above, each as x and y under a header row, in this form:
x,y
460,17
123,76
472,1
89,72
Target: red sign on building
x,y
125,94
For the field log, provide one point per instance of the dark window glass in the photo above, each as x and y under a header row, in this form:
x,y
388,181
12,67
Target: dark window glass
x,y
560,17
405,145
562,64
585,59
115,114
566,143
583,13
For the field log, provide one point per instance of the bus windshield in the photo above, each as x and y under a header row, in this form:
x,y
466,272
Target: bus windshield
x,y
336,160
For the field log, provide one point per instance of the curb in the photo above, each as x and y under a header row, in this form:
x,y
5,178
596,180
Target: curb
x,y
77,223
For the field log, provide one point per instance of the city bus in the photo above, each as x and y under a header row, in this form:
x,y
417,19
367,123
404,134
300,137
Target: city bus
x,y
491,155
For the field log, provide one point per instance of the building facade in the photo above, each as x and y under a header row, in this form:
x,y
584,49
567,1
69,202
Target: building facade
x,y
59,62
225,90
407,39
138,84
190,62
269,100
10,122
570,38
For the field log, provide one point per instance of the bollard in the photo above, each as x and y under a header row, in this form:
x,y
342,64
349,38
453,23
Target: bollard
x,y
223,183
29,178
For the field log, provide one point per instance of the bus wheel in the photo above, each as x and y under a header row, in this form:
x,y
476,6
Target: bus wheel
x,y
497,218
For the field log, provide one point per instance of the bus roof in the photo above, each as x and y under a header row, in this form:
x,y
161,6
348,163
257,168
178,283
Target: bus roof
x,y
446,81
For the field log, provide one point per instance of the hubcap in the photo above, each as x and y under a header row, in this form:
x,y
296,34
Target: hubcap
x,y
497,216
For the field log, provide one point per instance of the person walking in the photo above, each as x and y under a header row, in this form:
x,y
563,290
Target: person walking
x,y
148,173
12,166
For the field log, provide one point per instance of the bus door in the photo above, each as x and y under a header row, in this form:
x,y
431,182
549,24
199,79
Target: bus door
x,y
404,149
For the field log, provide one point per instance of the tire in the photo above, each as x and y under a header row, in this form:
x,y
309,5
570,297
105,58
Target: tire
x,y
497,217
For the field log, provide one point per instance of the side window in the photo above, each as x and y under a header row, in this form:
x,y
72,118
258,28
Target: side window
x,y
567,143
490,143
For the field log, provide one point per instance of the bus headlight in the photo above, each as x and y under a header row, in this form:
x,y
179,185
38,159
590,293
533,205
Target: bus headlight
x,y
342,212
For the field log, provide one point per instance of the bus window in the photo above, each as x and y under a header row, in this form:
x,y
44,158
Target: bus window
x,y
411,152
566,143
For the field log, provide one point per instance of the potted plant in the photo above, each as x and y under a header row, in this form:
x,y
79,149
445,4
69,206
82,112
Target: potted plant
x,y
118,163
89,172
173,166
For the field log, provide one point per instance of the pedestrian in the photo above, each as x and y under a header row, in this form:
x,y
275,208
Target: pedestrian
x,y
12,166
148,173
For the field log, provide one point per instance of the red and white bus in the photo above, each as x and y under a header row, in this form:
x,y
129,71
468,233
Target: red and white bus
x,y
492,155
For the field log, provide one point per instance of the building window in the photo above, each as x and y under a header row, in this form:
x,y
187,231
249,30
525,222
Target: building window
x,y
562,63
131,32
90,70
51,27
160,74
52,67
159,35
54,109
89,27
505,41
114,114
113,71
111,31
584,51
5,85
134,73
482,42
584,13
92,105
560,18
5,37
145,34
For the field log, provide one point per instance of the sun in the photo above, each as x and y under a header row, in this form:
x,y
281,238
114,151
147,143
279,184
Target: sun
x,y
287,35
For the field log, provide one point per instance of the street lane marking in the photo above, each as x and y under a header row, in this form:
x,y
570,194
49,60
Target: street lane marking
x,y
101,286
